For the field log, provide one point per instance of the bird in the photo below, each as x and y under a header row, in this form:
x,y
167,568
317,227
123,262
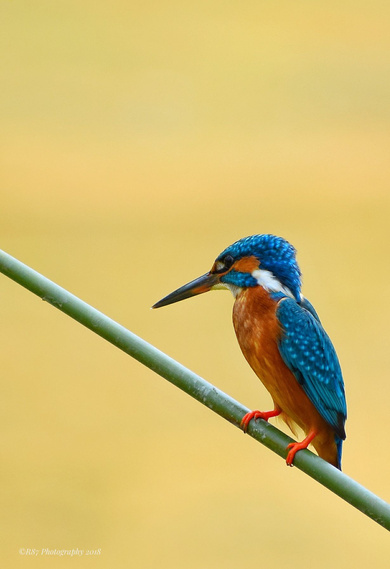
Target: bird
x,y
282,338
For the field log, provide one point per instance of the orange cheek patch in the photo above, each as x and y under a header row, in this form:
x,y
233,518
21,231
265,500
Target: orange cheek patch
x,y
246,264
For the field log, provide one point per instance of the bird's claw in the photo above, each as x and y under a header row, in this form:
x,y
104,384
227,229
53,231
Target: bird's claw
x,y
253,415
295,447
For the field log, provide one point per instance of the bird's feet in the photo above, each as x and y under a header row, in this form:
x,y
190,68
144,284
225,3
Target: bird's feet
x,y
265,415
295,447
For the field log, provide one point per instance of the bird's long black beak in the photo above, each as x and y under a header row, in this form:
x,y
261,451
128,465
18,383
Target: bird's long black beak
x,y
199,285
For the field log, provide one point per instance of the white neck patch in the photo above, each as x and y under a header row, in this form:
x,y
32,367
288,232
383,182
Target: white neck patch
x,y
267,280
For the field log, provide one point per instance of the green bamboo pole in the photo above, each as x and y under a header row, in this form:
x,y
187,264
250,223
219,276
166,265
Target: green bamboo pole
x,y
336,481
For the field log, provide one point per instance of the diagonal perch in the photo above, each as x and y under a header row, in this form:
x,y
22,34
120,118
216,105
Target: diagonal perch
x,y
336,481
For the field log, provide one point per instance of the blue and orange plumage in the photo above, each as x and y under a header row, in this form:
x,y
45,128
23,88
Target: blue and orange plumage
x,y
282,339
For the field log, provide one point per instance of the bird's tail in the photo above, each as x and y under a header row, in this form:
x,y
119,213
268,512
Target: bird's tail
x,y
339,445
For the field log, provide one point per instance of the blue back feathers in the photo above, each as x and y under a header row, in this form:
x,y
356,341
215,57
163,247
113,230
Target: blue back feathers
x,y
274,253
308,352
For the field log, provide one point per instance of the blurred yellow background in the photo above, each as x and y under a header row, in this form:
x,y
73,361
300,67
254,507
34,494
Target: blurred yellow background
x,y
138,140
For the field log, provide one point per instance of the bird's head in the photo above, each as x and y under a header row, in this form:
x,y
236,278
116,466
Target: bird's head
x,y
258,260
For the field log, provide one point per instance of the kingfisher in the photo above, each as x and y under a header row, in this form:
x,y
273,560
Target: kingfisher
x,y
282,338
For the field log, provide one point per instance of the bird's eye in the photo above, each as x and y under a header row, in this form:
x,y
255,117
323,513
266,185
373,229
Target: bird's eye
x,y
224,264
228,261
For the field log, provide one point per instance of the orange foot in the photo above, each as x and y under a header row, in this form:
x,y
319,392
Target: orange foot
x,y
257,415
295,447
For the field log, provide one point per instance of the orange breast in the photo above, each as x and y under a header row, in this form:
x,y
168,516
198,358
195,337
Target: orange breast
x,y
258,330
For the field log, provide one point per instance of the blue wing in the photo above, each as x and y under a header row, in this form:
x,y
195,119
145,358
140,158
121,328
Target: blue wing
x,y
308,352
